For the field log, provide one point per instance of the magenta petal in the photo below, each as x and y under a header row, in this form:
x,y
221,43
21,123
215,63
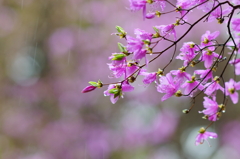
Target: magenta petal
x,y
131,70
214,35
166,96
208,61
127,88
237,86
113,100
150,78
139,55
211,134
199,139
234,97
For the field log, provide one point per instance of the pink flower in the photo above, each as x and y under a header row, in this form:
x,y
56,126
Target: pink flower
x,y
207,38
166,30
136,5
231,90
183,5
181,75
161,3
218,13
187,52
236,24
208,57
139,55
231,44
190,85
134,45
204,135
116,91
213,86
143,35
130,70
122,69
118,70
206,74
211,109
236,63
169,86
149,77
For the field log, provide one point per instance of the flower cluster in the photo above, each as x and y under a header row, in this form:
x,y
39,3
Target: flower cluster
x,y
205,57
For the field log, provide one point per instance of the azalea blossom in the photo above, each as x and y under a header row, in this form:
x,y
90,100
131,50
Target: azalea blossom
x,y
204,74
169,86
149,77
181,75
204,135
208,37
118,70
231,90
211,109
143,35
213,86
236,24
236,63
188,52
190,85
116,90
134,44
208,57
166,30
136,5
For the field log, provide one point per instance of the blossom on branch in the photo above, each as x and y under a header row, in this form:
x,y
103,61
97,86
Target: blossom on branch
x,y
204,135
231,90
169,86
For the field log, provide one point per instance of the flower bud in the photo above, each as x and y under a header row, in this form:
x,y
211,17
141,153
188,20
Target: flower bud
x,y
220,20
150,15
160,72
121,31
158,14
88,89
185,111
178,93
222,107
202,130
122,48
131,79
118,57
96,84
205,117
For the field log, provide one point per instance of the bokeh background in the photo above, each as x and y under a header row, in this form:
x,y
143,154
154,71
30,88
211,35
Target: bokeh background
x,y
50,49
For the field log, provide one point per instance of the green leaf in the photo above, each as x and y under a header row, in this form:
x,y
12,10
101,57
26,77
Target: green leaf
x,y
155,29
118,57
120,29
122,48
114,91
232,47
95,84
